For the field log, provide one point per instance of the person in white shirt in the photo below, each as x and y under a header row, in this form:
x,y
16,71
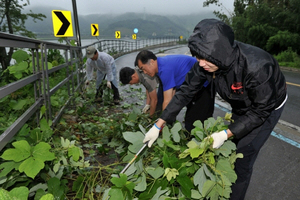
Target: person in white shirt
x,y
105,66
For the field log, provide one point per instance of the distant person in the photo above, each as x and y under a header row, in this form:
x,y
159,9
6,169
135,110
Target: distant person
x,y
245,76
172,71
134,76
105,66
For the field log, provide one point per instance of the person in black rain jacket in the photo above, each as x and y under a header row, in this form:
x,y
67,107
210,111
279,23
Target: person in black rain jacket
x,y
248,78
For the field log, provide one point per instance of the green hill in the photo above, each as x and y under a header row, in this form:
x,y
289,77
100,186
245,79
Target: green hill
x,y
148,25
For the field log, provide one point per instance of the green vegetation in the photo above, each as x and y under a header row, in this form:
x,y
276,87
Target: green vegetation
x,y
13,22
272,25
92,144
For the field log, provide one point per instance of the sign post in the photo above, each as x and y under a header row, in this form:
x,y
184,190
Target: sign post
x,y
135,31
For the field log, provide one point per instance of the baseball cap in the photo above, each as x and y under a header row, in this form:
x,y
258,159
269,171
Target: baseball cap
x,y
90,51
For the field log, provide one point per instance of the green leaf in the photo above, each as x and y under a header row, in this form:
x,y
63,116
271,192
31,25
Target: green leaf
x,y
171,173
207,187
44,125
208,173
226,149
141,183
31,167
6,167
75,152
196,194
192,144
41,152
158,193
115,193
20,55
155,172
199,179
166,135
224,166
56,187
25,130
142,129
65,143
47,197
235,156
119,182
228,116
5,195
21,151
18,105
195,153
223,192
136,139
186,185
20,193
174,131
132,117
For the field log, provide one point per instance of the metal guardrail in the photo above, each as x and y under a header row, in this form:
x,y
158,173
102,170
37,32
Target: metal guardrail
x,y
74,76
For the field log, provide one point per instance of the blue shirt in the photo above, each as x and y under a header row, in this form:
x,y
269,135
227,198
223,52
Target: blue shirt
x,y
173,68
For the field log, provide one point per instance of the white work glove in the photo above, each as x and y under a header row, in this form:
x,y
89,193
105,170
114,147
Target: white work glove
x,y
108,84
151,135
146,108
219,138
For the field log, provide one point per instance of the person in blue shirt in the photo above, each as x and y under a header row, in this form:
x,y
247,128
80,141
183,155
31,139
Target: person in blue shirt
x,y
172,70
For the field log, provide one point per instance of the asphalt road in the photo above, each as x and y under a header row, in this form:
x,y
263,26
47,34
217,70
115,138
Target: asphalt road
x,y
276,171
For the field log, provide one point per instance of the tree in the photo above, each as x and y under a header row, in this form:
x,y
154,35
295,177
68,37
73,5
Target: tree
x,y
263,23
12,21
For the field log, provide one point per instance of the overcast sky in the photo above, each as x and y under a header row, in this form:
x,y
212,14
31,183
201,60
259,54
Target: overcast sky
x,y
177,7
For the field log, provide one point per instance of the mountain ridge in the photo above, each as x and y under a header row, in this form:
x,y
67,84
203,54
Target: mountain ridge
x,y
149,25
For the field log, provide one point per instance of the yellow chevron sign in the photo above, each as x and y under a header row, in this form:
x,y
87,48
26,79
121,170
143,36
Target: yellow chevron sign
x,y
62,23
118,34
94,30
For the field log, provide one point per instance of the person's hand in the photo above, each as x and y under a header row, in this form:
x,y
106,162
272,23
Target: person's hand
x,y
87,82
151,135
219,138
108,84
146,108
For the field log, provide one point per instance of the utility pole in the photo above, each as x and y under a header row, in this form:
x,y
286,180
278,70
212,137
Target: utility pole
x,y
76,23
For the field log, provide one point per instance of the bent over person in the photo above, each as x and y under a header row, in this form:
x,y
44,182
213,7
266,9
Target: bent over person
x,y
172,70
106,67
134,76
248,78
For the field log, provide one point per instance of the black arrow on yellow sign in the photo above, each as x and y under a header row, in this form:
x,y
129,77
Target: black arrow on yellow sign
x,y
64,27
95,32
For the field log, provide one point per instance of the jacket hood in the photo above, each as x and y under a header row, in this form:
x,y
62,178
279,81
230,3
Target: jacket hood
x,y
214,41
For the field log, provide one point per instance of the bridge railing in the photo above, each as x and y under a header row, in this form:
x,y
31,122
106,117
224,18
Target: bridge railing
x,y
72,67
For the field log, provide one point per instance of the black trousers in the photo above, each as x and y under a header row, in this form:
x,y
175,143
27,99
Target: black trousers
x,y
250,146
99,92
200,108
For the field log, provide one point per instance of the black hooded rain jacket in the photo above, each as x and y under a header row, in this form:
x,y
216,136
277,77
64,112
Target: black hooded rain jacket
x,y
248,77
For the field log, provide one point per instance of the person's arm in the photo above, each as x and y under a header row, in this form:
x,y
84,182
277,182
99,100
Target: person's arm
x,y
168,94
153,101
89,71
148,100
108,63
194,82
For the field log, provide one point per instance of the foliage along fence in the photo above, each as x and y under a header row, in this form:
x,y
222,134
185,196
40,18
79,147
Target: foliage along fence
x,y
33,69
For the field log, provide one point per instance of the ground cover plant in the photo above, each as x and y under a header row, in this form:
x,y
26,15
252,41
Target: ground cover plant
x,y
83,156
